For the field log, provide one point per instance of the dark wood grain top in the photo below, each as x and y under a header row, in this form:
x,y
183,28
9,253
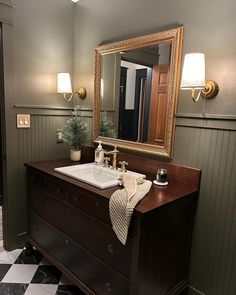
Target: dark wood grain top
x,y
183,181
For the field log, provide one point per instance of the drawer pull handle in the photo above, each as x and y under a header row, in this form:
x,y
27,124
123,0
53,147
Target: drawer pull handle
x,y
31,177
58,190
67,242
108,287
76,199
110,248
96,204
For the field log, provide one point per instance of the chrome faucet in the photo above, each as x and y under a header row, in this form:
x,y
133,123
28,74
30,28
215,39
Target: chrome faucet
x,y
114,152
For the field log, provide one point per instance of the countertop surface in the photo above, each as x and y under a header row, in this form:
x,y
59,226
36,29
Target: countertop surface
x,y
183,181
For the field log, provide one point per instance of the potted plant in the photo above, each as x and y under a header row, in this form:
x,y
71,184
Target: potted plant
x,y
106,126
75,134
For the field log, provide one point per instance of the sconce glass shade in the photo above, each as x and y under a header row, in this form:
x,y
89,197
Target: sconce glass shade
x,y
193,75
63,83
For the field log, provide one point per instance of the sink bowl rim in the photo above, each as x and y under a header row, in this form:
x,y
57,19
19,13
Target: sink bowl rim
x,y
115,175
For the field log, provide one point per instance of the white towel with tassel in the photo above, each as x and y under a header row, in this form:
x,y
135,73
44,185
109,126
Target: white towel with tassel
x,y
123,202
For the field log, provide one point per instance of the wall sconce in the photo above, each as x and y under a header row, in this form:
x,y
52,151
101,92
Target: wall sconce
x,y
193,77
64,87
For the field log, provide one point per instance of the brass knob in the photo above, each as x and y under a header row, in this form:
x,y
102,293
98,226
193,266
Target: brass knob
x,y
110,248
108,287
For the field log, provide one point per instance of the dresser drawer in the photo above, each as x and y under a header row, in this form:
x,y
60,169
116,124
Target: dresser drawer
x,y
97,237
90,203
37,199
100,278
48,184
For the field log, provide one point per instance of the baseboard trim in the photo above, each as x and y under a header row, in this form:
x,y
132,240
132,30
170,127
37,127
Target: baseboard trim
x,y
180,287
194,291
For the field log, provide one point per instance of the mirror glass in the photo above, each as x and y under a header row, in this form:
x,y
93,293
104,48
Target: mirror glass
x,y
136,86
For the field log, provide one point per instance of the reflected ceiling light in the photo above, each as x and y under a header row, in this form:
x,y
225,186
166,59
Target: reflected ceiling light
x,y
75,1
64,87
193,77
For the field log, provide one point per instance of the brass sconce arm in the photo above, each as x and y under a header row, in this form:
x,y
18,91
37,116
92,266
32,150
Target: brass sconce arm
x,y
69,98
193,94
210,91
82,93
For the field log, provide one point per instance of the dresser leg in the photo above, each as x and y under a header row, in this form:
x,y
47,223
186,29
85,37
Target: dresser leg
x,y
28,249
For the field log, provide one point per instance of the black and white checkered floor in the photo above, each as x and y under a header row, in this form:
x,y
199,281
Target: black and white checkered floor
x,y
31,275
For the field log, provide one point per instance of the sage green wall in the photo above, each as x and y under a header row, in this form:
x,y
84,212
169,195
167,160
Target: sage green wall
x,y
38,38
209,27
43,45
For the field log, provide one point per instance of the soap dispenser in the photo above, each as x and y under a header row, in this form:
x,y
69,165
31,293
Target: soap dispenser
x,y
99,154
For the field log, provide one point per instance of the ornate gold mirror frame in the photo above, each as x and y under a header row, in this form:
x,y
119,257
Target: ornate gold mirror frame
x,y
172,36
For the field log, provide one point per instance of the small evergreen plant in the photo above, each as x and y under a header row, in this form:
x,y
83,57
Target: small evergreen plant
x,y
75,131
106,126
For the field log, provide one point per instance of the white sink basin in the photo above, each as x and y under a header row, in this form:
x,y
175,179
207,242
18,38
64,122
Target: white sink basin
x,y
95,175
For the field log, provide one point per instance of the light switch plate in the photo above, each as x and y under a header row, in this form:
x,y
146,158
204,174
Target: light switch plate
x,y
23,120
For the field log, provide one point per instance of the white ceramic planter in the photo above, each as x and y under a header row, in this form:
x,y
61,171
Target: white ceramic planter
x,y
75,155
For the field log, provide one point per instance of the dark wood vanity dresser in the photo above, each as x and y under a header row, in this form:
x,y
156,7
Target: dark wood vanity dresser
x,y
68,221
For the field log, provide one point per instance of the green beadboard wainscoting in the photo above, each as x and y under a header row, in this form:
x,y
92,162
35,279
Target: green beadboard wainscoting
x,y
213,267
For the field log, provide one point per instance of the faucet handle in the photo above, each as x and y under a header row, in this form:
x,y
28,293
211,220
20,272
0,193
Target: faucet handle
x,y
123,164
106,159
115,149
